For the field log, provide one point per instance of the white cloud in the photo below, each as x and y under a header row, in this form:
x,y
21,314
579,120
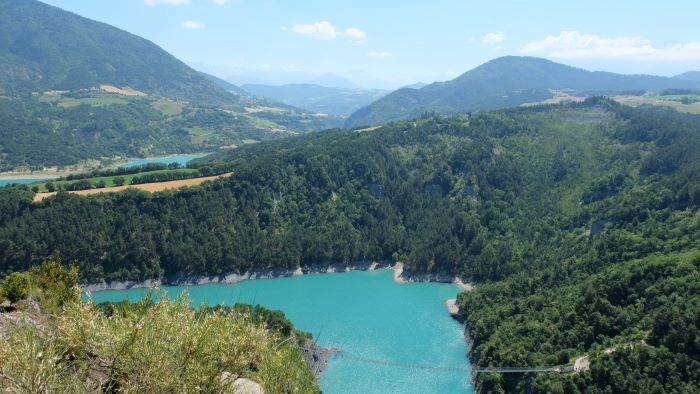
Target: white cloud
x,y
322,30
154,3
493,38
355,34
220,2
381,54
193,25
574,45
325,30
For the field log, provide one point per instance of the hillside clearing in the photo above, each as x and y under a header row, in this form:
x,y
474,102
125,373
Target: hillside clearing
x,y
635,101
122,91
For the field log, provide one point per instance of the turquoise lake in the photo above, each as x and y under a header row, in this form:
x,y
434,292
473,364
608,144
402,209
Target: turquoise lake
x,y
180,159
4,182
367,315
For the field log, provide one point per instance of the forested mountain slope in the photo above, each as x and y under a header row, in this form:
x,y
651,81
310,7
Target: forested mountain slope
x,y
580,223
441,193
45,48
72,89
504,82
64,128
689,76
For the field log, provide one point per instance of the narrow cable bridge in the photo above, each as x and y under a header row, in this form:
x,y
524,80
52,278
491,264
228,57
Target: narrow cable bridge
x,y
473,370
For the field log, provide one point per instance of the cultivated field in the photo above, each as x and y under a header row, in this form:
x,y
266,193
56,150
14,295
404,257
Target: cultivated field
x,y
635,101
149,187
127,178
122,91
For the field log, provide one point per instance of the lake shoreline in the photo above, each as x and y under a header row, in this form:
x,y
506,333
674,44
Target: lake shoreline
x,y
54,172
400,276
19,177
316,356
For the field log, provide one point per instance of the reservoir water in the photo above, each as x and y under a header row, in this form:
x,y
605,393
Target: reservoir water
x,y
180,159
395,338
23,181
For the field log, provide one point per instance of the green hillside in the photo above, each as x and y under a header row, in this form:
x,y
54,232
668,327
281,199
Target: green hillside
x,y
579,222
227,86
501,83
72,89
60,129
689,76
45,48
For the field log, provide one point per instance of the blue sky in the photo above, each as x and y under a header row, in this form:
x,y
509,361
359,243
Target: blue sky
x,y
401,42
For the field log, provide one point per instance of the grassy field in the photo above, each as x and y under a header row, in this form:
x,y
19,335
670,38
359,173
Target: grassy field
x,y
168,107
92,101
664,101
109,180
69,102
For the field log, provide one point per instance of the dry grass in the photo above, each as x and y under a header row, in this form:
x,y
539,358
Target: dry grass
x,y
261,108
148,187
163,348
558,97
635,101
122,91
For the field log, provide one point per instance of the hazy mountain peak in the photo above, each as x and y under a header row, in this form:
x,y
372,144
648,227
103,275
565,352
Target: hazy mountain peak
x,y
334,81
506,81
689,76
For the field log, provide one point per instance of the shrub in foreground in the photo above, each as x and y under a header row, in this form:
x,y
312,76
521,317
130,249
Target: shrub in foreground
x,y
161,347
15,287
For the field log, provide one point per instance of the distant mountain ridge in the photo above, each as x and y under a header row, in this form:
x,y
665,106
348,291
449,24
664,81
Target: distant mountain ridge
x,y
280,77
689,76
503,82
43,47
417,85
316,98
227,86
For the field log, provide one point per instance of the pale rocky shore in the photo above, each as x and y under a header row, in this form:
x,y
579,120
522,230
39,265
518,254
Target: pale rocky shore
x,y
317,356
400,276
18,177
232,278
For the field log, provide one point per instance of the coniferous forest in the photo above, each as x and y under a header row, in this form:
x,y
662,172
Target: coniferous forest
x,y
579,223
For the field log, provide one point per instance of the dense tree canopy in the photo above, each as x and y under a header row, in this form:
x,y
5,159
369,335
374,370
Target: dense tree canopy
x,y
580,222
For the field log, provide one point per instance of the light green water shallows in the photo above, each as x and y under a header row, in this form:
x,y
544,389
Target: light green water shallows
x,y
22,181
179,159
367,315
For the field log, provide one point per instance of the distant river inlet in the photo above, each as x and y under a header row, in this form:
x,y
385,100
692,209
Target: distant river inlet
x,y
13,180
394,337
182,160
39,176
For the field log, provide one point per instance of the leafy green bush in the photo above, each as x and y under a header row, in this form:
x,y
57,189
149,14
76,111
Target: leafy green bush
x,y
16,287
58,284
